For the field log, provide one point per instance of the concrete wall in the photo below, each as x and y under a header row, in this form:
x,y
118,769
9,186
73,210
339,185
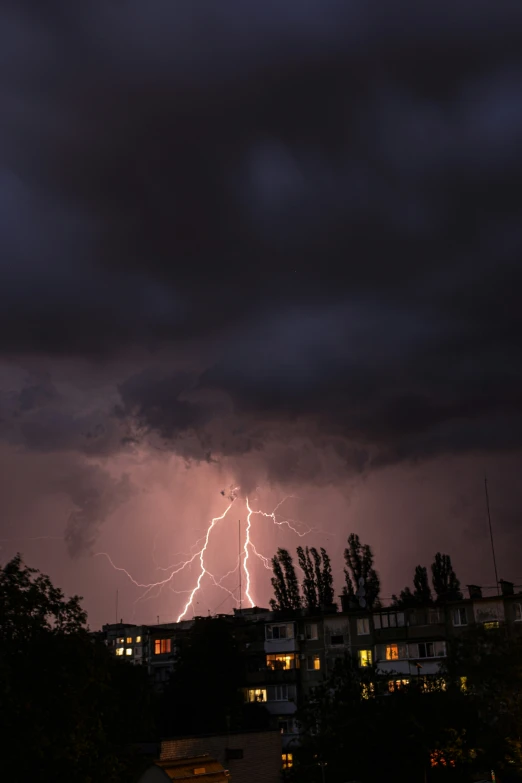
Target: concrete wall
x,y
261,762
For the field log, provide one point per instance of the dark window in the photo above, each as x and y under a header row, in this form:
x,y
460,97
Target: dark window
x,y
337,639
426,650
234,753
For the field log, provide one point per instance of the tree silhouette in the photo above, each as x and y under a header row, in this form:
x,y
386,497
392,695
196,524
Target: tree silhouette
x,y
405,600
309,585
325,587
317,583
359,565
284,582
421,584
420,596
445,582
30,605
70,709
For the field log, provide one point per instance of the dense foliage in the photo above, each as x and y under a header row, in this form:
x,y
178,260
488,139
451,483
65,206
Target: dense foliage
x,y
69,710
204,694
449,728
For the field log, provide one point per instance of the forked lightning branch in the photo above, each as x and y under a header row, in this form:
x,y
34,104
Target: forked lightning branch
x,y
198,556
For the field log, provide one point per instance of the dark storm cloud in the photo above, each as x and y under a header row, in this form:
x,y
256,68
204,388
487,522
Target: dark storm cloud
x,y
38,415
95,495
326,197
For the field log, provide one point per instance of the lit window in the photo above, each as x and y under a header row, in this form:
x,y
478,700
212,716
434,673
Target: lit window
x,y
491,625
285,631
363,626
128,651
311,631
161,646
367,690
120,650
129,639
313,663
392,652
138,639
288,760
459,616
336,639
281,661
365,657
256,694
121,641
397,685
463,684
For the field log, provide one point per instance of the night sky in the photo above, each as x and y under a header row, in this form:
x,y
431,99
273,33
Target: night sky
x,y
274,246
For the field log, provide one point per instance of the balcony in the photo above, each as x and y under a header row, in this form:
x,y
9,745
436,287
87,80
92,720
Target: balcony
x,y
267,676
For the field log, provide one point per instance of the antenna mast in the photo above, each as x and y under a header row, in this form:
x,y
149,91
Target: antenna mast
x,y
491,535
239,566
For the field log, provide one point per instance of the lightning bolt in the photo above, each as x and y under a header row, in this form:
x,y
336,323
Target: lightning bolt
x,y
202,562
250,546
246,547
248,551
178,567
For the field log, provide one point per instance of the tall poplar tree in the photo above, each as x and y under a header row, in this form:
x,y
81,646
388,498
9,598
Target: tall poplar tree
x,y
309,585
359,565
284,582
421,594
325,587
445,582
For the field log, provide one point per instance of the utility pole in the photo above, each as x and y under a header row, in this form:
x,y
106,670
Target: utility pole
x,y
491,535
239,566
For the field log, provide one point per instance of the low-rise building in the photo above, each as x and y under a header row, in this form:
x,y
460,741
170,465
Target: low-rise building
x,y
288,654
249,757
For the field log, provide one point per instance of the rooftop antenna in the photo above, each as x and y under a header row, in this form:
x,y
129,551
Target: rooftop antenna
x,y
491,535
239,565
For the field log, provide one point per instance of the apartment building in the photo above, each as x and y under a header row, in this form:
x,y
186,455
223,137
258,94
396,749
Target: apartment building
x,y
288,654
154,646
127,641
412,643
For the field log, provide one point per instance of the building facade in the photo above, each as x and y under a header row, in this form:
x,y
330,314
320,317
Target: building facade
x,y
288,654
